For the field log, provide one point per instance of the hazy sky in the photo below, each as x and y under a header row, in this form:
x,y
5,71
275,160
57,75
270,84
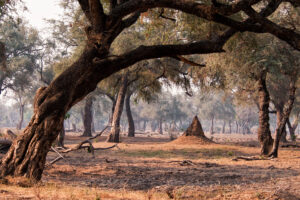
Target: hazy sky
x,y
41,9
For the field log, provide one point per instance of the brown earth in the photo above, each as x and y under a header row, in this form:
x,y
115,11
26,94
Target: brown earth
x,y
153,168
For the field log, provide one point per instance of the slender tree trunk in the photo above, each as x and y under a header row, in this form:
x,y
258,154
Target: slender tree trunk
x,y
153,125
112,111
131,128
160,126
295,122
237,127
21,111
61,138
292,131
88,117
279,115
212,125
144,125
224,125
74,128
286,112
114,135
229,124
264,133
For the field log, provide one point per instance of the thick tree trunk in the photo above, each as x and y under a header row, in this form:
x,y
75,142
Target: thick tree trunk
x,y
21,111
212,125
131,128
264,133
286,112
27,155
291,130
114,135
61,138
88,117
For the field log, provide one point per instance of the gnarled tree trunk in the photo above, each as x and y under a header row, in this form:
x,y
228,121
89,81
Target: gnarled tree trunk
x,y
88,117
27,155
114,135
264,133
131,128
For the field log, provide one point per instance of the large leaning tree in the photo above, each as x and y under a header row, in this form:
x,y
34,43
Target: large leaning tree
x,y
27,155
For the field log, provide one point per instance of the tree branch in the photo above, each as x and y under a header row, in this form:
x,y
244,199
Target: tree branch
x,y
97,15
285,34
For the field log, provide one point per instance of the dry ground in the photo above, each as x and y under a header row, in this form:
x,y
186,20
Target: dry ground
x,y
152,168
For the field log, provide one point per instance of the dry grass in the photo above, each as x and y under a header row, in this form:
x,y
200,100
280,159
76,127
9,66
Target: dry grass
x,y
153,169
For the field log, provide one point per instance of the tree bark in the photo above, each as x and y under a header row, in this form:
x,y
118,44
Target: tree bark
x,y
114,135
286,112
131,128
21,111
229,124
88,117
264,133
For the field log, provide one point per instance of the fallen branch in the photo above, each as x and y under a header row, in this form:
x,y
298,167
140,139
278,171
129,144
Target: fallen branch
x,y
249,158
90,147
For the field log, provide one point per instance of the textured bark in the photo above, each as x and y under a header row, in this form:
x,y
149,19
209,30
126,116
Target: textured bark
x,y
21,112
88,117
114,135
131,128
286,112
264,133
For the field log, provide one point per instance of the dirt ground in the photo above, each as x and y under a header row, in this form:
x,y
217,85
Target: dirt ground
x,y
153,168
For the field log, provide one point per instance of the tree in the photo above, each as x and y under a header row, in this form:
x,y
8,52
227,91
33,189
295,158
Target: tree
x,y
27,154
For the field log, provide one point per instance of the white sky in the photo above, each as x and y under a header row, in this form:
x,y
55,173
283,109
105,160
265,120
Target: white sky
x,y
38,10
